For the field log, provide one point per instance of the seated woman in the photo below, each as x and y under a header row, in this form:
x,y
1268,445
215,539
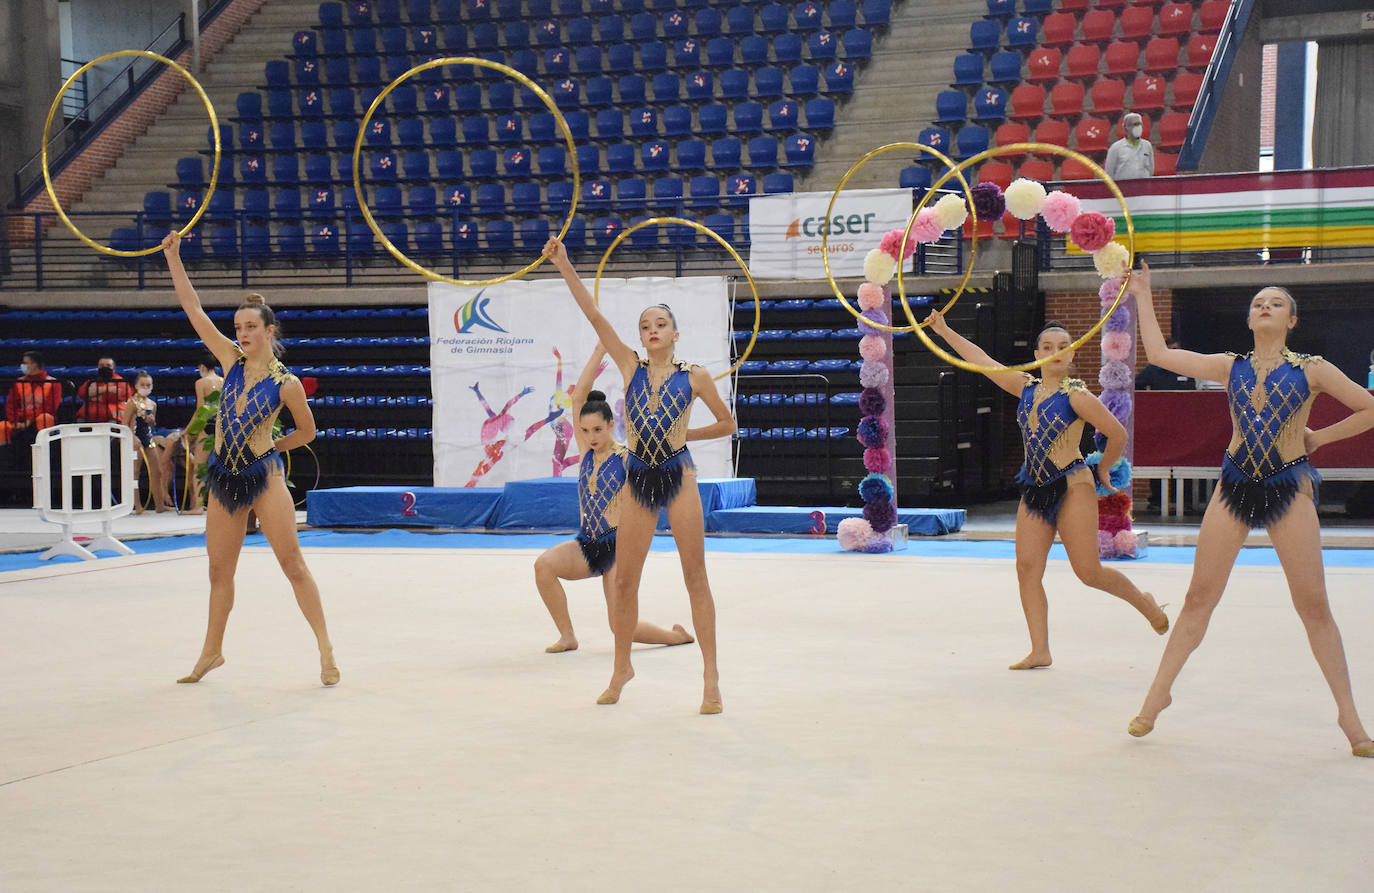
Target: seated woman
x,y
600,482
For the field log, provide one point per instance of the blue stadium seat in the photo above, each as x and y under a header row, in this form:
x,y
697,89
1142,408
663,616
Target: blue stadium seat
x,y
187,204
249,105
972,139
443,132
500,235
221,206
983,37
620,158
722,225
773,18
553,161
465,235
783,116
667,87
383,166
482,163
822,46
422,201
720,52
278,73
936,138
510,128
734,84
753,51
410,132
748,118
449,164
547,33
643,122
686,53
675,24
858,44
990,104
737,189
804,80
630,194
1022,33
668,190
458,200
314,135
557,62
704,191
534,232
587,59
576,237
968,70
800,150
712,118
620,59
589,159
951,106
415,165
515,34
787,49
490,198
677,121
763,152
285,169
654,156
224,241
437,98
257,240
386,201
610,124
915,177
632,90
378,133
1005,68
290,239
525,61
360,239
739,20
691,155
596,192
543,128
516,162
700,86
877,13
252,169
778,182
725,153
324,238
476,130
839,78
429,238
501,94
251,136
559,195
525,197
708,23
605,229
768,82
581,30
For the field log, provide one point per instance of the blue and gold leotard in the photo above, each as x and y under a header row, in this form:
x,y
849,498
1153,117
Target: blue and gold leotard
x,y
244,459
598,500
1266,464
656,428
1051,433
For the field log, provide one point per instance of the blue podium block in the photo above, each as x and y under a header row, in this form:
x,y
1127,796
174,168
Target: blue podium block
x,y
458,507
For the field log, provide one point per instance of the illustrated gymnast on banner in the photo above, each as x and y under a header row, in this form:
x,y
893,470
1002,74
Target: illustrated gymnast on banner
x,y
493,433
659,474
1266,481
1057,488
559,403
245,468
600,488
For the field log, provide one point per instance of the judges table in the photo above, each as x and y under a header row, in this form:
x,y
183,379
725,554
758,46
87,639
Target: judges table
x,y
1182,436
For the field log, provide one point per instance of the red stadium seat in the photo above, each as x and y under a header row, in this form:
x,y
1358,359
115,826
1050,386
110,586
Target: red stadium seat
x,y
1073,169
1107,95
1027,103
1043,65
1011,132
1110,4
1099,26
1175,19
1137,23
1187,85
1073,5
1147,93
984,229
1092,136
1161,55
1149,2
1057,29
1173,127
1056,133
1123,57
1036,169
1166,164
1211,14
1084,60
1200,50
1066,100
995,171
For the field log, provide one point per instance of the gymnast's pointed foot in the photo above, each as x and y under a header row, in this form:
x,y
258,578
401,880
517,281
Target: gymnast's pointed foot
x,y
1144,722
686,637
710,698
1363,749
564,643
329,672
612,693
1033,661
203,666
1158,619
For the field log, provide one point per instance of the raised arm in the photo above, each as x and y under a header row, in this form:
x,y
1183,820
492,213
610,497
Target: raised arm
x,y
1096,414
587,379
215,341
705,388
1211,366
1011,382
1326,377
620,353
293,396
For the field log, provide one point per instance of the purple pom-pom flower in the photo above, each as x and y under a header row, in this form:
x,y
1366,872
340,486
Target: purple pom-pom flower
x,y
873,374
882,514
872,315
1116,376
872,402
1118,403
872,432
988,201
1119,321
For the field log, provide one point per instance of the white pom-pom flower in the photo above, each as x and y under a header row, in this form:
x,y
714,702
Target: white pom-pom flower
x,y
1024,198
879,267
950,212
1112,260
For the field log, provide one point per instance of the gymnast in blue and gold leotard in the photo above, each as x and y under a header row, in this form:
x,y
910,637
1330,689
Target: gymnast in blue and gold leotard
x,y
659,392
245,468
1057,489
1266,481
600,491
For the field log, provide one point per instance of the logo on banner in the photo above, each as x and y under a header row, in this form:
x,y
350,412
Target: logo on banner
x,y
853,226
474,314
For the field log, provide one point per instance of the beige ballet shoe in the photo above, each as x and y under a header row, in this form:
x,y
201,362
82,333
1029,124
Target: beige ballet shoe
x,y
710,708
1140,727
1363,749
330,676
606,697
218,661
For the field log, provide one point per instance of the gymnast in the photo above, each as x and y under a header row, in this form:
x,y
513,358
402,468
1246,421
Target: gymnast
x,y
659,392
600,478
1057,491
1266,481
245,468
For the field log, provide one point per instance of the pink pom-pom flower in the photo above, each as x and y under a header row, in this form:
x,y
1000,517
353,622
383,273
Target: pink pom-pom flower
x,y
891,239
1060,210
1106,544
871,296
873,374
1092,230
1117,345
877,459
1125,542
872,347
927,228
1108,291
853,534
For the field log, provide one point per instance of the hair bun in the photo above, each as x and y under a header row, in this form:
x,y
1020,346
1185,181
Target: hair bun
x,y
255,298
596,396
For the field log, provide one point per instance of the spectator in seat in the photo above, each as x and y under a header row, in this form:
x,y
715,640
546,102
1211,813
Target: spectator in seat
x,y
1131,157
1155,378
103,397
32,402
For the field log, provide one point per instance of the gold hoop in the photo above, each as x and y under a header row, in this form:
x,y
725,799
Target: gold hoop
x,y
523,81
701,228
830,209
47,177
1020,149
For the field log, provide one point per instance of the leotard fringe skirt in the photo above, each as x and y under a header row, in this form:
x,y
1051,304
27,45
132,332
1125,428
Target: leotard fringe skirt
x,y
599,551
1259,503
655,486
1045,500
236,490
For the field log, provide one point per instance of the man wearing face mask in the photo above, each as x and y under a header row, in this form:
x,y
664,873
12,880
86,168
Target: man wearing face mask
x,y
1131,157
104,396
32,402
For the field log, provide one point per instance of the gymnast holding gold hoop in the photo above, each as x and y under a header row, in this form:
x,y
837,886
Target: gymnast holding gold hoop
x,y
659,392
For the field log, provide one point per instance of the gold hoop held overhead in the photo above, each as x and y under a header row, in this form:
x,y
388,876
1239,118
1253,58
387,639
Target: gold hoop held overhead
x,y
1021,149
47,127
523,81
701,228
830,209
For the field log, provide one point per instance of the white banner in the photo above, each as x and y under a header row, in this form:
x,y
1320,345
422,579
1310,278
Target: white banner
x,y
785,231
504,359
